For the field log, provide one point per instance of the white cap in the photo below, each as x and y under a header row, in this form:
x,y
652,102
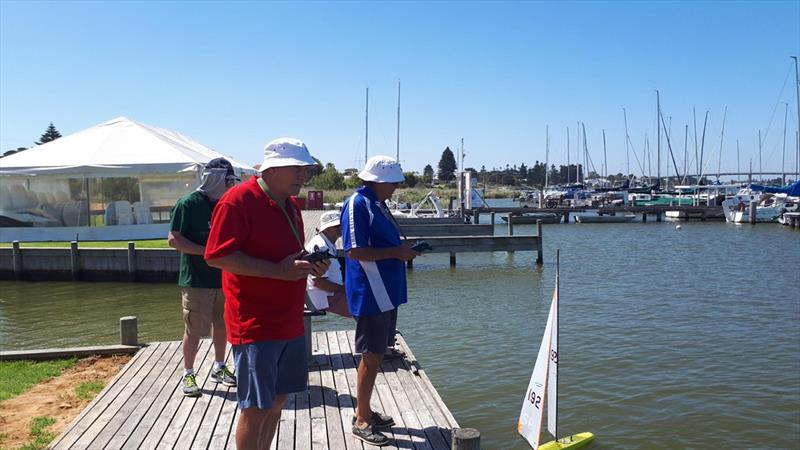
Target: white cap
x,y
329,219
283,152
382,169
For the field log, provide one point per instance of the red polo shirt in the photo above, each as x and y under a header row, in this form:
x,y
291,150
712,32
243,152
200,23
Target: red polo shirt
x,y
256,309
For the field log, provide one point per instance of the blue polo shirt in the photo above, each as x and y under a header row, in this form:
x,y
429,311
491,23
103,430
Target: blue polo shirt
x,y
372,287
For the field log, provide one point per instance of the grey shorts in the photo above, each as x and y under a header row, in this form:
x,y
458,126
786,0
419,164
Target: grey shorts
x,y
266,369
374,334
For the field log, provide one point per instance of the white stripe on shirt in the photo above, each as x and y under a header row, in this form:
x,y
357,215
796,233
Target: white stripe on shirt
x,y
377,286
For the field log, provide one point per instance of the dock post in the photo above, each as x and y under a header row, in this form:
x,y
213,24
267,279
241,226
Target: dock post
x,y
307,336
539,252
566,216
476,217
794,221
16,256
131,261
410,264
492,222
753,205
658,216
644,216
73,260
128,330
452,259
466,439
510,224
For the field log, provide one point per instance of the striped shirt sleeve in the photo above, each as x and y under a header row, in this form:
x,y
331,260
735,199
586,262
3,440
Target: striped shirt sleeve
x,y
356,223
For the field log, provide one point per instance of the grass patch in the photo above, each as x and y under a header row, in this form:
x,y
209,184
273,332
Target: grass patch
x,y
87,390
148,243
18,376
41,436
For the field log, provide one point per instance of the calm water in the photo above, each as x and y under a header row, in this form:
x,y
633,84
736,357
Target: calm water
x,y
669,338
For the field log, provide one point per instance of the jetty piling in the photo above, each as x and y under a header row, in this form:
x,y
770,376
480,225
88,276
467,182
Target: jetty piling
x,y
466,439
74,262
128,330
131,261
16,255
753,210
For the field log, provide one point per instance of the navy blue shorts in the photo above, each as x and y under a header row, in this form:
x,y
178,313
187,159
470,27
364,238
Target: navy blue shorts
x,y
374,334
267,368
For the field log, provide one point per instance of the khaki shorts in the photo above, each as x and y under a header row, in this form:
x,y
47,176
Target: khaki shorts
x,y
201,309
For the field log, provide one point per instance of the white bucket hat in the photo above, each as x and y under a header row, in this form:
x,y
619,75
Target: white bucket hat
x,y
382,169
329,219
283,152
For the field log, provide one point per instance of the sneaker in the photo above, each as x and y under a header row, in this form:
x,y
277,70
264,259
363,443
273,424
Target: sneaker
x,y
370,436
223,376
190,388
378,420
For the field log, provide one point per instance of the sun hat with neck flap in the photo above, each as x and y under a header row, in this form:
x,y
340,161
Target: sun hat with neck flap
x,y
382,169
284,152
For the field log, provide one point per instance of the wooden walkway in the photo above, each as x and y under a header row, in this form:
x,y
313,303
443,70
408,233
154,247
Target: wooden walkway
x,y
143,407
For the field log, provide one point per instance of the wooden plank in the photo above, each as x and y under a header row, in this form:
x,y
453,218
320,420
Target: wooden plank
x,y
407,410
351,373
333,416
402,381
85,429
127,418
225,430
382,401
319,433
286,427
170,379
76,427
77,352
436,406
467,244
302,435
345,397
448,230
176,398
183,427
216,403
231,445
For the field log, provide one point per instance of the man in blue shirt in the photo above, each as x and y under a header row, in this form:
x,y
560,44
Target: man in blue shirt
x,y
375,282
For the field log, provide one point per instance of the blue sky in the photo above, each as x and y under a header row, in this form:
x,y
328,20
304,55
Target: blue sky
x,y
235,75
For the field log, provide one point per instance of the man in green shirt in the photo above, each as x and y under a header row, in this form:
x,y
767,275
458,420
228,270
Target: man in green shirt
x,y
201,285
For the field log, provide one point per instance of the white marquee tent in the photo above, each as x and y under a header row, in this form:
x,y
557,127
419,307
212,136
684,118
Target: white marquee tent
x,y
117,148
120,173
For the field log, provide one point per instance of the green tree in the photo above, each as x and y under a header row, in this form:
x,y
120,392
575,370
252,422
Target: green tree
x,y
447,166
51,134
411,179
329,179
427,174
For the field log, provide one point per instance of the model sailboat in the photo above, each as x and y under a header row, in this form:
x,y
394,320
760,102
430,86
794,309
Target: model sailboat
x,y
543,390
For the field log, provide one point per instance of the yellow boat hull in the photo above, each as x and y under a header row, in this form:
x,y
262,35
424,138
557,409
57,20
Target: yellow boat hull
x,y
573,442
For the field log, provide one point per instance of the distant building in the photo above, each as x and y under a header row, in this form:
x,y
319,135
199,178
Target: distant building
x,y
350,172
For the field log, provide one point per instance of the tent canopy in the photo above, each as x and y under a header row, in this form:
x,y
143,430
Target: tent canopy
x,y
117,148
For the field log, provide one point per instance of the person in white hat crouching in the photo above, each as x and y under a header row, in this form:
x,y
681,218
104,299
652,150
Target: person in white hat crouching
x,y
257,240
375,282
327,292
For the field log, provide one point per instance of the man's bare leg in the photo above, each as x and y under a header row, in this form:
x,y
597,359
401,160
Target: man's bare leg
x,y
367,372
271,422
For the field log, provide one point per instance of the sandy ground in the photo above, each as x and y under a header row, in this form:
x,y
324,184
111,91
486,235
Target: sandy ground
x,y
54,398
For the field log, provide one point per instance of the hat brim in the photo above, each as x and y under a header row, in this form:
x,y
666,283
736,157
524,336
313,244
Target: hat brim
x,y
285,162
390,178
330,225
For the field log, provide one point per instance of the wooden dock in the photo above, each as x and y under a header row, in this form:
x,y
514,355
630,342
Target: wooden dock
x,y
143,407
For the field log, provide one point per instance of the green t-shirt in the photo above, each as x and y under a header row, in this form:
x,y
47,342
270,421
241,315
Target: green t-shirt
x,y
191,216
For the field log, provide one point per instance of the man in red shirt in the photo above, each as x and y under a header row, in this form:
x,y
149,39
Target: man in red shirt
x,y
256,239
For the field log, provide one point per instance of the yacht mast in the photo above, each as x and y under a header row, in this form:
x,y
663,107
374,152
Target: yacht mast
x,y
627,146
658,131
567,155
605,161
783,158
797,135
366,128
719,162
398,121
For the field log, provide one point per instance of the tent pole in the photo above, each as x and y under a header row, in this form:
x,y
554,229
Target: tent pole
x,y
88,204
